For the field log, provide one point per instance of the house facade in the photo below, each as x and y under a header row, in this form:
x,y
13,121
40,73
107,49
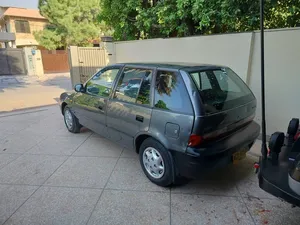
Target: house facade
x,y
22,23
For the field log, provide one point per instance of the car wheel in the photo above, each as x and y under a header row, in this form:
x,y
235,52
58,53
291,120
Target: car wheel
x,y
71,121
293,126
156,162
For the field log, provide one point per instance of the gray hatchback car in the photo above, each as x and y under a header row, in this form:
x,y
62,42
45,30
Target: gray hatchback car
x,y
182,119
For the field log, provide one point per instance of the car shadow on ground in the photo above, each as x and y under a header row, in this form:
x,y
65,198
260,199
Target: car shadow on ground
x,y
222,182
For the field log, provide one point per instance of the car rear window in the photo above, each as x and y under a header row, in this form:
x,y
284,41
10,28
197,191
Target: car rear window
x,y
221,89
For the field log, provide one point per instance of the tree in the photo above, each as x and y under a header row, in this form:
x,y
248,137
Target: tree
x,y
72,22
161,104
140,19
121,16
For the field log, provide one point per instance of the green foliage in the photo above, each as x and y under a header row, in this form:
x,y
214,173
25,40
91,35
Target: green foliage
x,y
50,39
161,105
140,19
73,22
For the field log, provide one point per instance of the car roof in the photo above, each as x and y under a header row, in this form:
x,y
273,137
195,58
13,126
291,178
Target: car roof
x,y
174,65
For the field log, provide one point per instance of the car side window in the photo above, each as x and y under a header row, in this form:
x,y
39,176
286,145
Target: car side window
x,y
101,83
170,93
134,86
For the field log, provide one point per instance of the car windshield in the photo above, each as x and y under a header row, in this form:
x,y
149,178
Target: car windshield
x,y
221,89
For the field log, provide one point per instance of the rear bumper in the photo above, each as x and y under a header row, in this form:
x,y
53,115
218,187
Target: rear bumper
x,y
194,162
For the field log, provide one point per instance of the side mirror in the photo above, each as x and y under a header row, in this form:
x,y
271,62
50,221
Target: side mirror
x,y
79,88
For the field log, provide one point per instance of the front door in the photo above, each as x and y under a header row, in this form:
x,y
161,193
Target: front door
x,y
90,106
129,109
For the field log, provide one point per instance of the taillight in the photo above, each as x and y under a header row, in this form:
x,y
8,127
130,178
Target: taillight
x,y
195,140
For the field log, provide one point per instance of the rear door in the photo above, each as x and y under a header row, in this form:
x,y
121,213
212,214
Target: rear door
x,y
129,109
173,116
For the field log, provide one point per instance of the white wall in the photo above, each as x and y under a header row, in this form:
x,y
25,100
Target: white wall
x,y
34,62
232,50
241,52
282,77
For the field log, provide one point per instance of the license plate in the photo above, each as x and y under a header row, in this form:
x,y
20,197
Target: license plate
x,y
238,156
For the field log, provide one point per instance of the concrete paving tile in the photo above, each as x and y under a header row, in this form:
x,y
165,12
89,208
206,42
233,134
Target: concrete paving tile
x,y
132,208
221,182
246,180
83,172
99,147
20,142
272,212
12,197
7,158
16,121
43,129
4,132
208,187
128,175
58,145
202,209
129,153
95,135
30,169
63,132
249,187
238,172
56,206
19,120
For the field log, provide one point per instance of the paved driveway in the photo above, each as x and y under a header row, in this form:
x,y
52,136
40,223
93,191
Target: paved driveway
x,y
50,176
19,92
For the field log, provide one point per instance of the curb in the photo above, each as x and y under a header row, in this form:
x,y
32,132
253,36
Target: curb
x,y
26,110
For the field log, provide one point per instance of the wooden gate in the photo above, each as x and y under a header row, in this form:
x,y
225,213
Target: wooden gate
x,y
91,60
12,61
55,61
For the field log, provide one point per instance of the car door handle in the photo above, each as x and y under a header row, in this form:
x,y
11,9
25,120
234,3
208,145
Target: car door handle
x,y
139,118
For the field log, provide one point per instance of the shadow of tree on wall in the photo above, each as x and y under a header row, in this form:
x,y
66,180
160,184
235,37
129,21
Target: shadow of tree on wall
x,y
12,62
9,68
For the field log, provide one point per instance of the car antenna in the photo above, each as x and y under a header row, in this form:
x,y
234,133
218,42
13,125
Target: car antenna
x,y
263,110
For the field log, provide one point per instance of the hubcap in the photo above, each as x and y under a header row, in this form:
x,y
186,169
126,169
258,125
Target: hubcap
x,y
69,119
153,162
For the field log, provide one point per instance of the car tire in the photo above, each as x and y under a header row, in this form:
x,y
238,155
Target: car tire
x,y
71,121
293,126
156,162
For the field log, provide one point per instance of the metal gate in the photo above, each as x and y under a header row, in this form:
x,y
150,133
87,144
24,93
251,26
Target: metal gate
x,y
91,60
12,61
55,61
